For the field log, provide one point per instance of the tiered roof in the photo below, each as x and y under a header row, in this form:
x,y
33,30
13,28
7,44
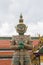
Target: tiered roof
x,y
6,52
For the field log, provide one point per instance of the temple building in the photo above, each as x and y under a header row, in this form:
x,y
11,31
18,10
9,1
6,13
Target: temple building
x,y
7,52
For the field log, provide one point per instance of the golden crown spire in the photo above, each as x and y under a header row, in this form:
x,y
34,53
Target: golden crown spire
x,y
21,19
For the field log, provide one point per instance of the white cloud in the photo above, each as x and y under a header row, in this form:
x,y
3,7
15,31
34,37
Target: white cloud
x,y
35,29
7,29
32,12
4,29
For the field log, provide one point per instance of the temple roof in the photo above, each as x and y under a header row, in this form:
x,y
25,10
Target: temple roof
x,y
6,52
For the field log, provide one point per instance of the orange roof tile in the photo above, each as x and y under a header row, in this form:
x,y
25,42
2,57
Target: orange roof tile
x,y
5,62
4,43
4,53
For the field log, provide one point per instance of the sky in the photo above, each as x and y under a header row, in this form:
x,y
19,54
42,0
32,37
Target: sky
x,y
32,11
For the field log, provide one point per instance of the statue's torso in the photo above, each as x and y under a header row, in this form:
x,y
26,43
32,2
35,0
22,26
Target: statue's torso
x,y
22,54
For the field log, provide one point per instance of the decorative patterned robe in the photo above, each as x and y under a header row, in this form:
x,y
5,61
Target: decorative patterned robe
x,y
21,55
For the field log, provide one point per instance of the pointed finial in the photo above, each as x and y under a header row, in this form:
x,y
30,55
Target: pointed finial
x,y
21,19
21,16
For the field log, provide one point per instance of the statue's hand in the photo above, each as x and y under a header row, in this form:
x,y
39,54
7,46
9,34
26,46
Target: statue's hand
x,y
21,46
14,47
28,46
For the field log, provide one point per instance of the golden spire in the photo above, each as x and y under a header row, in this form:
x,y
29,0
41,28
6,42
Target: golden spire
x,y
21,19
